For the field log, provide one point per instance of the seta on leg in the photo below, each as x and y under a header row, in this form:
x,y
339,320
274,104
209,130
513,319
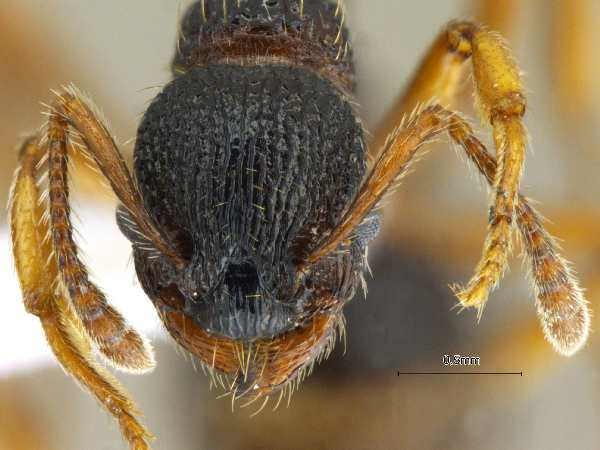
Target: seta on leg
x,y
113,337
73,112
562,309
499,95
115,340
45,297
574,69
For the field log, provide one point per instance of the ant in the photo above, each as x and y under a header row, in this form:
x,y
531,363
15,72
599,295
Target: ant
x,y
252,200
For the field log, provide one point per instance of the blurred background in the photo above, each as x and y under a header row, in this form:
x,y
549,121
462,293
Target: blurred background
x,y
119,52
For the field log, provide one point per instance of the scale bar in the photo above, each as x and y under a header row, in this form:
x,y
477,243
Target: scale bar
x,y
459,373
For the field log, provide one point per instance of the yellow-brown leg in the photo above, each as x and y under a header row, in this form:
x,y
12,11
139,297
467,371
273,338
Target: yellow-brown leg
x,y
115,340
71,113
71,109
44,296
437,77
501,102
570,50
562,309
113,337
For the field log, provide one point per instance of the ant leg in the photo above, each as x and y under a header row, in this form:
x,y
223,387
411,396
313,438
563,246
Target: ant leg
x,y
391,165
437,77
502,103
574,71
442,69
44,296
115,339
71,111
561,306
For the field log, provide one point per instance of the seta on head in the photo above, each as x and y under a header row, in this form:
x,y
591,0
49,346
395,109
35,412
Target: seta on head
x,y
311,33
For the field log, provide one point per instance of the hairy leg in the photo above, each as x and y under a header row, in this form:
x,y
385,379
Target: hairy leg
x,y
115,340
561,306
112,336
45,297
497,15
437,77
570,54
502,103
72,111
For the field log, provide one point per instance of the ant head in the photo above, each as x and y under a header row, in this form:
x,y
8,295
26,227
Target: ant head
x,y
246,169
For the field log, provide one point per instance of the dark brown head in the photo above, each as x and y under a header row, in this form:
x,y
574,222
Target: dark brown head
x,y
245,168
310,33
